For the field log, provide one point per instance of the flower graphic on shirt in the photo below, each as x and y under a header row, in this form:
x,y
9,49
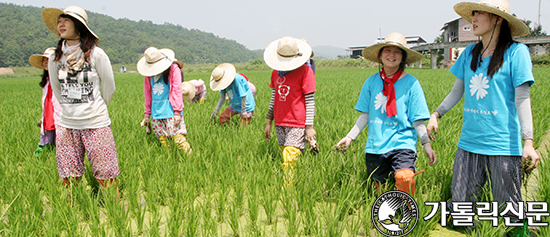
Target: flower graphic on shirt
x,y
479,84
380,102
158,88
230,94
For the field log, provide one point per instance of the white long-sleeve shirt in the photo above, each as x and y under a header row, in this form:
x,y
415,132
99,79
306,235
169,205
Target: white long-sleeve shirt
x,y
83,96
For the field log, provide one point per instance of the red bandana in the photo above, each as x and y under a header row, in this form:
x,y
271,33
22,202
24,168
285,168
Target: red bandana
x,y
389,91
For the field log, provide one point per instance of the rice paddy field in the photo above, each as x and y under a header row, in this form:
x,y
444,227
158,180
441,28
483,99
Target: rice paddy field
x,y
231,185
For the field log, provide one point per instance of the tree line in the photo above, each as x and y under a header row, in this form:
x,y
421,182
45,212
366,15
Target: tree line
x,y
23,34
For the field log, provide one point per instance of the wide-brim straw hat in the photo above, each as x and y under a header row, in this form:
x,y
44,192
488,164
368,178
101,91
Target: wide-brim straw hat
x,y
222,76
36,59
393,39
188,91
155,61
497,7
287,54
50,17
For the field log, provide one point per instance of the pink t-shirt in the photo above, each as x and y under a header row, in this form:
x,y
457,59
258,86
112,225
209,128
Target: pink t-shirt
x,y
290,107
199,85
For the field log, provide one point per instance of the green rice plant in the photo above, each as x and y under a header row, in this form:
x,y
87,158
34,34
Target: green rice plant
x,y
253,203
290,209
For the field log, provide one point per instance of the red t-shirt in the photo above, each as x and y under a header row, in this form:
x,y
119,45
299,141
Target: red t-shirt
x,y
290,106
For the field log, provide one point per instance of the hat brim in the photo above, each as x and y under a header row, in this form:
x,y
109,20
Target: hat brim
x,y
36,60
371,53
50,17
190,88
151,69
280,63
517,26
228,77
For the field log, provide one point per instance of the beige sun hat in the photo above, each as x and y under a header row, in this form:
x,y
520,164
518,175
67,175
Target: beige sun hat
x,y
188,91
222,76
287,54
498,7
50,16
36,59
155,61
393,39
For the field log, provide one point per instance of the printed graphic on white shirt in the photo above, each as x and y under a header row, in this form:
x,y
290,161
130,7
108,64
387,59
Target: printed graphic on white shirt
x,y
73,91
479,84
380,102
158,88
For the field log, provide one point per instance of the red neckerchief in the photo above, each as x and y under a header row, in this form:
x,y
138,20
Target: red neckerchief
x,y
389,91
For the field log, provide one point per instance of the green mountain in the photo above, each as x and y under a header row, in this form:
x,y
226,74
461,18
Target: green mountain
x,y
22,33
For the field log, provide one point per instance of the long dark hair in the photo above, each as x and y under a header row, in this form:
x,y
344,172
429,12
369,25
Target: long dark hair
x,y
505,40
166,74
87,39
403,58
44,78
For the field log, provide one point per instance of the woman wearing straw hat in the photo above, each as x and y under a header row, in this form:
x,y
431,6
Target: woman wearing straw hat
x,y
51,110
200,91
392,103
225,79
82,81
497,72
163,96
292,105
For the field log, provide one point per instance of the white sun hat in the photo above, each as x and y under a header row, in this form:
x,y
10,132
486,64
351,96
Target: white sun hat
x,y
287,54
155,61
222,76
50,16
36,59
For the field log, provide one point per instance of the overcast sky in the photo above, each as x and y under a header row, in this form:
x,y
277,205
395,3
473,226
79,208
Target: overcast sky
x,y
338,23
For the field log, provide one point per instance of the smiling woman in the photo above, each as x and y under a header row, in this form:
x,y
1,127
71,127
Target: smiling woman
x,y
391,101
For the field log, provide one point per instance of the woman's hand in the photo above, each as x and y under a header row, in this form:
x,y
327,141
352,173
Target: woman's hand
x,y
267,131
311,135
430,153
433,126
345,142
530,153
177,119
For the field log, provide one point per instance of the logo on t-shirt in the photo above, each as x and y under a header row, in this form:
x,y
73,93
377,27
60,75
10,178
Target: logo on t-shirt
x,y
158,88
283,92
478,85
380,102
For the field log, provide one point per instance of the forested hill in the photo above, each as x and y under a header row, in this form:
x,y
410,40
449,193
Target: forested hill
x,y
22,33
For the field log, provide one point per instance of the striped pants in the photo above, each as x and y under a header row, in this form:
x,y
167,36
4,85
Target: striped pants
x,y
472,171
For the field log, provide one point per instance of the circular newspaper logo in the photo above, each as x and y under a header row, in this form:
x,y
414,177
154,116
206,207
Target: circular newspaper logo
x,y
394,213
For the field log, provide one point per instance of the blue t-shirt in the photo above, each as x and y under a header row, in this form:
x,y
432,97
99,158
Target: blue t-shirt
x,y
238,89
397,132
490,123
160,103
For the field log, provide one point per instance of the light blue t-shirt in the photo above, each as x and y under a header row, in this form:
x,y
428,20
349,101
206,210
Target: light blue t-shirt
x,y
397,132
490,120
160,103
236,90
